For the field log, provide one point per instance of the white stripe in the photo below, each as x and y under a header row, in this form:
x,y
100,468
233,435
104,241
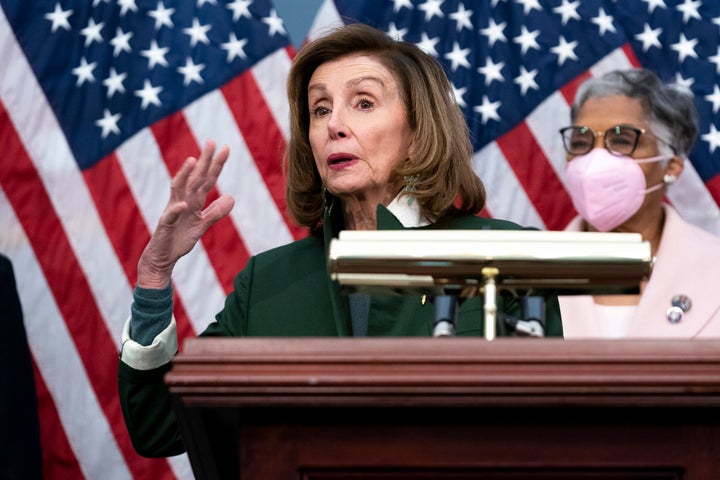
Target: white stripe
x,y
326,18
149,180
181,467
86,426
615,60
47,147
255,214
506,198
693,200
270,74
547,133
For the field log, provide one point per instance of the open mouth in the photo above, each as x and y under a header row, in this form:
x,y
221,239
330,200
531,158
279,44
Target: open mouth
x,y
335,160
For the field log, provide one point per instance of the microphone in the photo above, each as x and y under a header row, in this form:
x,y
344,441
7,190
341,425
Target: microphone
x,y
445,315
533,324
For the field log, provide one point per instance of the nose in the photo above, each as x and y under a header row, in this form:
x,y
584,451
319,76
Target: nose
x,y
337,127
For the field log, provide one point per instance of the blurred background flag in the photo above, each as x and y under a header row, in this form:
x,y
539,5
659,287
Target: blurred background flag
x,y
102,100
100,103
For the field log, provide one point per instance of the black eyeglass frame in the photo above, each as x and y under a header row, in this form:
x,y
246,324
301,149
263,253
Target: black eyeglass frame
x,y
638,131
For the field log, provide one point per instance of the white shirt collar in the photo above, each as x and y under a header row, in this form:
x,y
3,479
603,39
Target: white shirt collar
x,y
407,211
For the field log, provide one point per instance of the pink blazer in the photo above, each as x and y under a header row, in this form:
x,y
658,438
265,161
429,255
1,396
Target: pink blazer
x,y
687,262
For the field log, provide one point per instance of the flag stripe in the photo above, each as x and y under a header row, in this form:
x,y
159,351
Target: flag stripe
x,y
69,286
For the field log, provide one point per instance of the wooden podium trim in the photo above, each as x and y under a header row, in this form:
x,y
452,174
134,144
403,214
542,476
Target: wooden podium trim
x,y
446,372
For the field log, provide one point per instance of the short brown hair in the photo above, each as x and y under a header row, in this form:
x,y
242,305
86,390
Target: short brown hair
x,y
441,158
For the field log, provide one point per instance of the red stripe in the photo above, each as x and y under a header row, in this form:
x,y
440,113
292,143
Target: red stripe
x,y
70,289
124,224
570,89
713,186
630,54
264,139
226,249
537,177
58,459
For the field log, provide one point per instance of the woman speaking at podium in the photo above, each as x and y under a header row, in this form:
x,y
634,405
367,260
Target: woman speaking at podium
x,y
377,142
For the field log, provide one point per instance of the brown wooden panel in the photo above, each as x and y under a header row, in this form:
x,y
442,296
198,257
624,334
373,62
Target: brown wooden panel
x,y
321,409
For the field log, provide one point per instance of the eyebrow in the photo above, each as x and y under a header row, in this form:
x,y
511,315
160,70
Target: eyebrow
x,y
349,84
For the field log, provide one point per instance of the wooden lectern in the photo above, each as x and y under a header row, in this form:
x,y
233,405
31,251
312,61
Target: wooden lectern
x,y
449,408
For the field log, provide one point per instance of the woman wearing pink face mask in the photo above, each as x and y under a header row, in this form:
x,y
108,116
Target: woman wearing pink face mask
x,y
629,138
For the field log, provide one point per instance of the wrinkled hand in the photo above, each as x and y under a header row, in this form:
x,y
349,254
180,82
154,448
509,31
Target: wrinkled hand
x,y
184,220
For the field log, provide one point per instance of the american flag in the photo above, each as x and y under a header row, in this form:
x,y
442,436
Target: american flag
x,y
101,101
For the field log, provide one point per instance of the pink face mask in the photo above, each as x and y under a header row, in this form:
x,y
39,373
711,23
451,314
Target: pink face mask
x,y
608,189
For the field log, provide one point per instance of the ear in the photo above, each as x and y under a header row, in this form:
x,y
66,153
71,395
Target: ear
x,y
675,166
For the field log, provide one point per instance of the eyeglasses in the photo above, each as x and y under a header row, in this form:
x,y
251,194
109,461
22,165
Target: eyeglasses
x,y
619,140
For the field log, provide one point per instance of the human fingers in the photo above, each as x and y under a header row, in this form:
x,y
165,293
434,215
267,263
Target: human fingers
x,y
217,209
215,168
198,176
180,180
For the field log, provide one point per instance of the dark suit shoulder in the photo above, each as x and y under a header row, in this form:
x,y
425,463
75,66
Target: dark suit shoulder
x,y
473,222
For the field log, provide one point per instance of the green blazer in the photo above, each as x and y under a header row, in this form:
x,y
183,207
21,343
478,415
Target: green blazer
x,y
287,292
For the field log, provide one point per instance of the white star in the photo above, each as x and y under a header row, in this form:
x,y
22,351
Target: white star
x,y
526,80
126,5
149,94
398,4
714,98
684,82
491,71
197,33
716,60
565,50
431,8
529,5
274,23
712,137
114,82
97,2
162,16
200,3
84,72
527,39
716,21
239,9
59,18
234,47
568,11
685,47
191,72
458,57
458,94
121,42
92,32
655,3
427,44
649,37
155,55
395,33
494,32
488,110
604,22
108,123
689,8
462,18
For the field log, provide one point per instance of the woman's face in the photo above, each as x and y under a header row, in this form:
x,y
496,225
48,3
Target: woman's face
x,y
603,113
358,129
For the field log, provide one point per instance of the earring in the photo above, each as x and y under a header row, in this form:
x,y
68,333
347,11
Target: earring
x,y
669,178
410,181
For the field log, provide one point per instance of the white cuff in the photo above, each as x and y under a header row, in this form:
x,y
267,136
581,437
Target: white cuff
x,y
158,353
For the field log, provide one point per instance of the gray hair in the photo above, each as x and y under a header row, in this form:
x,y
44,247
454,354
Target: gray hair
x,y
669,108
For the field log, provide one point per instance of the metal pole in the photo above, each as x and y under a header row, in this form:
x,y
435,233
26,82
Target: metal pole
x,y
489,274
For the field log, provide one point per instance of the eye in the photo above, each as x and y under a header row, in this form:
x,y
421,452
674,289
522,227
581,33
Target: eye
x,y
365,104
319,111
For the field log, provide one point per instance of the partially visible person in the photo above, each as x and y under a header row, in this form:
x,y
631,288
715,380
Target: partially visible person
x,y
377,142
20,453
629,140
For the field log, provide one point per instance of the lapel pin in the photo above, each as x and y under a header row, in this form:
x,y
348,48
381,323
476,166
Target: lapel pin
x,y
680,305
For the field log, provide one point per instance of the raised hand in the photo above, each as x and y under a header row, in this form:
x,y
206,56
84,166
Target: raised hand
x,y
184,220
